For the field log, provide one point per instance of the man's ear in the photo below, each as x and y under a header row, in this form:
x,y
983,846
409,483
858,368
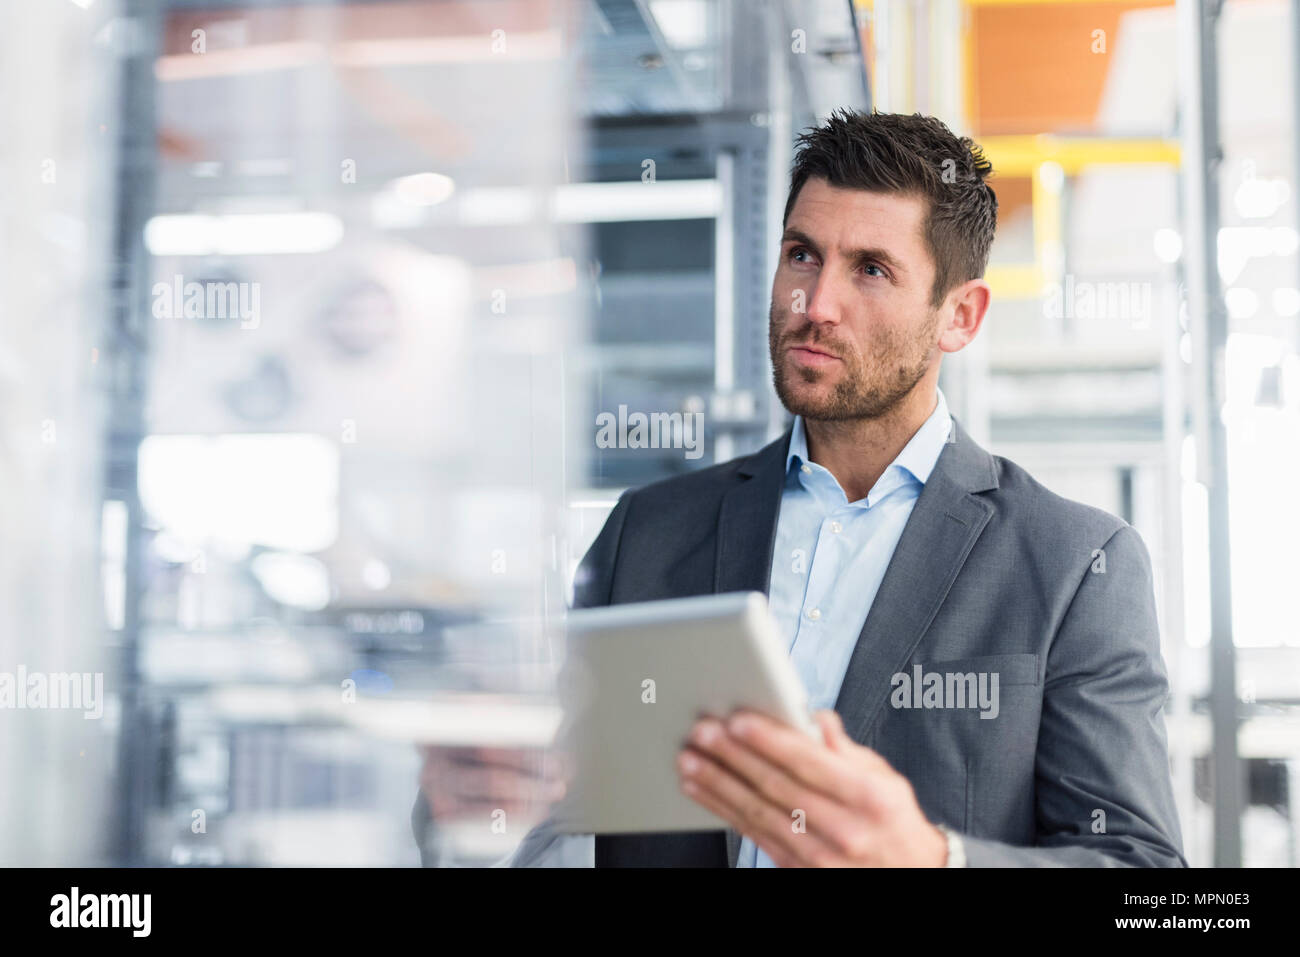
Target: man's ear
x,y
965,307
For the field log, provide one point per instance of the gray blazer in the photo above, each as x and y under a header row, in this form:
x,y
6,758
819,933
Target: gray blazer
x,y
994,574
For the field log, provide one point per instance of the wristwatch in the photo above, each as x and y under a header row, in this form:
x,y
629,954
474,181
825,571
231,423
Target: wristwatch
x,y
956,849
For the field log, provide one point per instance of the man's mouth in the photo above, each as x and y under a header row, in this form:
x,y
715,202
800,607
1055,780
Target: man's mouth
x,y
811,355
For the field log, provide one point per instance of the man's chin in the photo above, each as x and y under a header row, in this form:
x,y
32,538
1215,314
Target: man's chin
x,y
811,403
823,403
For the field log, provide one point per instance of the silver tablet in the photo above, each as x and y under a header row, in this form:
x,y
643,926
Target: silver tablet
x,y
636,678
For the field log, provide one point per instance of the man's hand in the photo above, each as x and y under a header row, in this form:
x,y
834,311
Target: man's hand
x,y
808,803
470,784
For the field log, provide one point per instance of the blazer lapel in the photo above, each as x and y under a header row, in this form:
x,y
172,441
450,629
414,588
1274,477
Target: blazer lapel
x,y
943,527
746,536
747,521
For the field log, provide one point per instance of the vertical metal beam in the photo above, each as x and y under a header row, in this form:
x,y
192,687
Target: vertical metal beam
x,y
1173,596
858,21
787,92
741,370
882,89
135,184
1199,116
724,294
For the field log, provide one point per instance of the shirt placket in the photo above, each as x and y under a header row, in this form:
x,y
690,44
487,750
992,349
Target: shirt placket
x,y
818,609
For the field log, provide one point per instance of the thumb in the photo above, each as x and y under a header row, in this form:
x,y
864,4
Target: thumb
x,y
832,728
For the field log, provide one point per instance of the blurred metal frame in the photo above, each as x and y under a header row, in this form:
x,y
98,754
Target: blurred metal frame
x,y
1197,30
128,353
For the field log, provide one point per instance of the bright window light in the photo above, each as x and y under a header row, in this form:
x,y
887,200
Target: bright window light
x,y
242,234
1242,303
1286,301
1260,198
636,201
423,189
1168,245
298,581
280,491
684,23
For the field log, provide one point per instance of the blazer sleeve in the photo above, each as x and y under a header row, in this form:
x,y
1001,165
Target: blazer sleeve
x,y
1104,794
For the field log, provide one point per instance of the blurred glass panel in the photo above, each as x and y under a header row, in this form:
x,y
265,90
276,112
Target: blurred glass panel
x,y
355,306
58,693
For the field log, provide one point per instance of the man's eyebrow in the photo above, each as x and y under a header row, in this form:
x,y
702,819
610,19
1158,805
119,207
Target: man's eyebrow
x,y
859,256
792,235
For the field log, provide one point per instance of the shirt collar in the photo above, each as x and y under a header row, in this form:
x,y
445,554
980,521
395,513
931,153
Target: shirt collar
x,y
918,456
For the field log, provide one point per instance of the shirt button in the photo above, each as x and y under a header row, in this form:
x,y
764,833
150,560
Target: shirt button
x,y
805,470
815,614
836,527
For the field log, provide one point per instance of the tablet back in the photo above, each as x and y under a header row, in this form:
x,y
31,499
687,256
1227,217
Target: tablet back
x,y
636,678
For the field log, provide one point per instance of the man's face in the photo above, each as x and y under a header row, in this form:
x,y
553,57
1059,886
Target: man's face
x,y
851,328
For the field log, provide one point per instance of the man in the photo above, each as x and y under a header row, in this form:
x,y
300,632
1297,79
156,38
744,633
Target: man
x,y
984,652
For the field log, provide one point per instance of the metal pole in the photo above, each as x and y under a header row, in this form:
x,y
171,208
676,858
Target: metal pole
x,y
1198,20
126,420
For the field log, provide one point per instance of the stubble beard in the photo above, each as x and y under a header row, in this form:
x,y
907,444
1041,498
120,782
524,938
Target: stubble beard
x,y
867,388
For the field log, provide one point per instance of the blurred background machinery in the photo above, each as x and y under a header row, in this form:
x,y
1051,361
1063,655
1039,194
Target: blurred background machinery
x,y
310,308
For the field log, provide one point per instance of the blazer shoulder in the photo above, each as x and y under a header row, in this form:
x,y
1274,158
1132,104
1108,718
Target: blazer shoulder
x,y
700,486
1052,519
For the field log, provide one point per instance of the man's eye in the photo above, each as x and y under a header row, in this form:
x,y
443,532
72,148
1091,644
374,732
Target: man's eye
x,y
878,270
798,251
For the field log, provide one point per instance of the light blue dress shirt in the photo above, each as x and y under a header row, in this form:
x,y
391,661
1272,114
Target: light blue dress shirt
x,y
828,561
830,556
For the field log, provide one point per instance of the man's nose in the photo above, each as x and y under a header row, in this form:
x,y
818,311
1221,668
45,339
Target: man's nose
x,y
825,300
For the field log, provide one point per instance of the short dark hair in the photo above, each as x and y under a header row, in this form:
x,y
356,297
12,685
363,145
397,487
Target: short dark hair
x,y
918,155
